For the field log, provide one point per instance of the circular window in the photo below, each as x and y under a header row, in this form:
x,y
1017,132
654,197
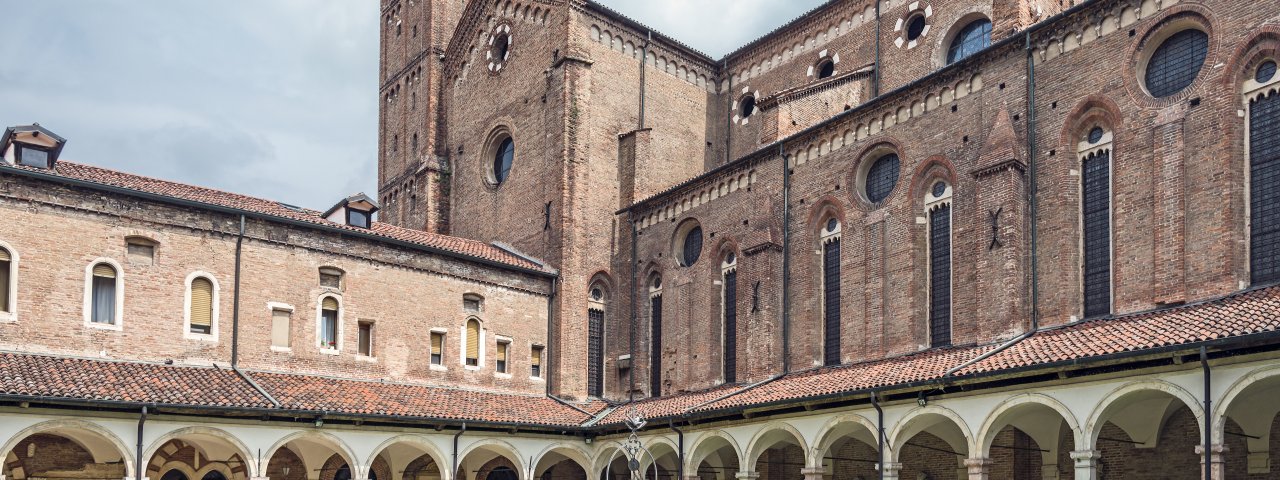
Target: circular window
x,y
597,294
501,47
881,178
915,27
826,69
939,189
689,245
502,158
656,283
1175,64
1265,72
1095,135
748,106
832,224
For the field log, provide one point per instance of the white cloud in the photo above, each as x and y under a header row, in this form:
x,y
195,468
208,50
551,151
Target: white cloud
x,y
716,27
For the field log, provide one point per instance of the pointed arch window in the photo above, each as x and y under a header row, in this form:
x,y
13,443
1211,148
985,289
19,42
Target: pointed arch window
x,y
655,336
1095,219
830,238
729,273
938,206
1263,103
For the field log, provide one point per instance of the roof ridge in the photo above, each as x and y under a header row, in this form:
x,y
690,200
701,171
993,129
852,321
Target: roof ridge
x,y
83,358
393,383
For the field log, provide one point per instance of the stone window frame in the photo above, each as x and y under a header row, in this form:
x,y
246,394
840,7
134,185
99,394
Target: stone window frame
x,y
931,204
502,30
1251,90
480,350
1085,149
1163,26
444,348
272,308
499,342
1157,38
541,354
914,10
824,57
9,313
372,356
868,159
331,271
686,227
337,329
118,324
655,292
494,141
754,95
212,336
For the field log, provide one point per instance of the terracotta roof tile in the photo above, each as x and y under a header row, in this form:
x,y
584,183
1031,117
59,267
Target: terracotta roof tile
x,y
130,382
472,248
1240,314
376,398
670,405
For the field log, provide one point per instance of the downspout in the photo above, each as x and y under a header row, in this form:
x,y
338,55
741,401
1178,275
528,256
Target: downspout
x,y
644,58
728,118
679,447
551,314
1033,190
235,302
875,78
786,261
635,309
454,474
138,469
1208,415
875,402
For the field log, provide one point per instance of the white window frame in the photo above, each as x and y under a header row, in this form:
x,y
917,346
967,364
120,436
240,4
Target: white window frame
x,y
444,345
212,336
11,316
462,354
932,203
88,295
500,339
1084,149
337,329
272,307
1249,91
373,327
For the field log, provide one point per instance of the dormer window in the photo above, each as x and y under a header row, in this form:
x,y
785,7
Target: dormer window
x,y
356,211
31,146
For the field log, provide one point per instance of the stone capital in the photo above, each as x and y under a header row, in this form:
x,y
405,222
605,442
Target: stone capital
x,y
747,475
818,473
891,470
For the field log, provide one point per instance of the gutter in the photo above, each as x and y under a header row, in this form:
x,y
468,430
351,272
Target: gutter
x,y
786,260
635,310
271,218
551,313
454,473
235,303
875,403
679,447
139,471
644,59
1208,414
1032,192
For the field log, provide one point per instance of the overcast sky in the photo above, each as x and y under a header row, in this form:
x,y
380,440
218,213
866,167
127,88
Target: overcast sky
x,y
272,98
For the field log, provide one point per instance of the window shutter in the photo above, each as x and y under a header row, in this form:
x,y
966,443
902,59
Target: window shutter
x,y
537,357
329,303
502,352
103,270
280,328
437,341
473,340
4,255
201,303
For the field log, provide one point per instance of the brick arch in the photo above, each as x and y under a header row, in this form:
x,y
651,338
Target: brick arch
x,y
286,458
381,468
494,464
189,454
1136,52
93,438
1265,42
861,163
1090,111
423,463
331,466
723,246
932,169
827,206
68,453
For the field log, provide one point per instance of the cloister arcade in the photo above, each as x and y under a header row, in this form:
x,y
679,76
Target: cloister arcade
x,y
1132,427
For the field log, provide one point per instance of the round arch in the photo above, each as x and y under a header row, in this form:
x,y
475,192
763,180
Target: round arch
x,y
423,447
98,442
919,419
194,435
566,451
1004,413
497,448
707,444
1137,392
772,434
1229,398
325,439
846,425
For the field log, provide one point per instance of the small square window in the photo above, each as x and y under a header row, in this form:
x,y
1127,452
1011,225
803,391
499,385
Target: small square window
x,y
358,218
472,303
33,157
331,278
140,250
535,361
437,348
366,339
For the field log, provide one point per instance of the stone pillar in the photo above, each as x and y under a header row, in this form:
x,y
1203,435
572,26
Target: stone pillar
x,y
744,475
891,470
979,468
1086,464
1049,472
818,473
1217,455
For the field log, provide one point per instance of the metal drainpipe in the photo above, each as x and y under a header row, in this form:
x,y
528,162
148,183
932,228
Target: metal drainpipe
x,y
1208,415
680,447
235,302
138,469
875,79
875,402
728,118
551,315
635,309
786,261
644,58
1032,191
454,475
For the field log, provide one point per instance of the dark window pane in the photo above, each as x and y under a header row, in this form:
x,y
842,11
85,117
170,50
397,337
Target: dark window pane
x,y
1095,135
33,157
1264,189
329,328
940,276
1176,62
595,352
104,300
357,218
731,327
1266,72
831,302
748,106
655,346
882,177
827,69
692,246
502,160
1096,217
972,39
915,27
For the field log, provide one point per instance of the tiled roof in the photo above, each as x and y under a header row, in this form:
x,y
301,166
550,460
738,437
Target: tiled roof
x,y
356,397
29,375
461,246
671,405
1245,313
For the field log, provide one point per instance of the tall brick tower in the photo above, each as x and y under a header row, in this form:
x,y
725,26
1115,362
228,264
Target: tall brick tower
x,y
412,179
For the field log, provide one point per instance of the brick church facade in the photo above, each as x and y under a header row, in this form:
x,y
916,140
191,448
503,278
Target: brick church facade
x,y
1025,239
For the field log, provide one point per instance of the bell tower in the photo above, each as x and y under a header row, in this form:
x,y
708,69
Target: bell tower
x,y
412,177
